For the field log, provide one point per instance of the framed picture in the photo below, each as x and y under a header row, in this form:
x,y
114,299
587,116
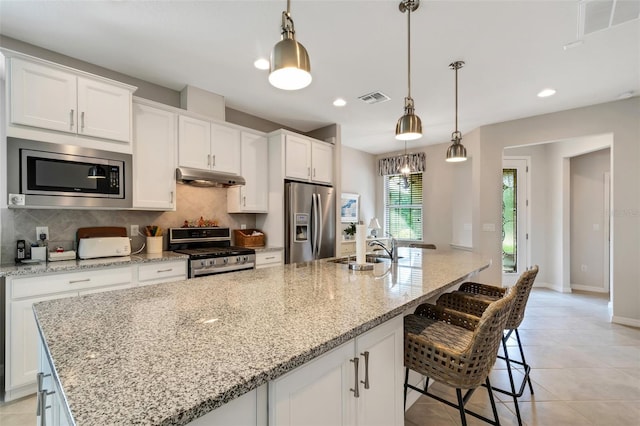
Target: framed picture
x,y
349,205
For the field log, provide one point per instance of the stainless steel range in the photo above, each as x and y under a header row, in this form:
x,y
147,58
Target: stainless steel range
x,y
210,250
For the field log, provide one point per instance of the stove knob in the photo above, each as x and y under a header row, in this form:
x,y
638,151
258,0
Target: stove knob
x,y
211,262
239,259
225,260
245,259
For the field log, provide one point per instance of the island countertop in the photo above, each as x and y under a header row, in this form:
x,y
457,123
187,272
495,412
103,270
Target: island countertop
x,y
169,353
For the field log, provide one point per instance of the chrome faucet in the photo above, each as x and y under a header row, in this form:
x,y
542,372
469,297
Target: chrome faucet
x,y
393,253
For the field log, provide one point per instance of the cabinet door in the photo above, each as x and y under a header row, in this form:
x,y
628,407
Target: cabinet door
x,y
255,170
317,393
154,163
104,110
43,97
382,403
225,149
297,158
194,143
321,162
22,360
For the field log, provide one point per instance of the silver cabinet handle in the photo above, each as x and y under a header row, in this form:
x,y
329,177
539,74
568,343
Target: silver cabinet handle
x,y
42,400
244,201
159,271
213,161
308,171
365,354
209,160
314,172
40,380
72,122
82,120
171,198
270,257
86,280
356,391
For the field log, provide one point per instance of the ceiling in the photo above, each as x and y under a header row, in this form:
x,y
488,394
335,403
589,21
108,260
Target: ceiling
x,y
512,50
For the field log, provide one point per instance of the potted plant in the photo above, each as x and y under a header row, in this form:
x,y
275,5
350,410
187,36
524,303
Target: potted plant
x,y
350,231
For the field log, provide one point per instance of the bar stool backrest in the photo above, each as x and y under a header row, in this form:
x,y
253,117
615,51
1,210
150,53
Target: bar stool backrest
x,y
523,287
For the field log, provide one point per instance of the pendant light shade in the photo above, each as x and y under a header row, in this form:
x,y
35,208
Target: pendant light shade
x,y
290,65
456,152
96,172
409,126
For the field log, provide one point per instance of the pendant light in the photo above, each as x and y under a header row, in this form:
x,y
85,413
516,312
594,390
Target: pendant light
x,y
456,152
290,66
409,126
96,172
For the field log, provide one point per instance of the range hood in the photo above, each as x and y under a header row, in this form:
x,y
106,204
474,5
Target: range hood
x,y
207,178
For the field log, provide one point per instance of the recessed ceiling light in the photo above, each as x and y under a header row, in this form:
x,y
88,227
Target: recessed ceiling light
x,y
262,64
339,102
545,93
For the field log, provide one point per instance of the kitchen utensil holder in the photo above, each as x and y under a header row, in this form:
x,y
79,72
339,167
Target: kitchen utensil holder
x,y
154,244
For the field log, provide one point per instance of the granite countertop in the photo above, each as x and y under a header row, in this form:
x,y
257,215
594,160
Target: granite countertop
x,y
76,265
169,353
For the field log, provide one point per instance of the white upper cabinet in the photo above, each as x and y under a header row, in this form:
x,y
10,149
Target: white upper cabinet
x,y
321,162
105,110
210,146
308,159
254,168
225,149
55,98
155,135
194,143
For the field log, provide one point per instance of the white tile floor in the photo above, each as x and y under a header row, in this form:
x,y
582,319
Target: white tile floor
x,y
585,371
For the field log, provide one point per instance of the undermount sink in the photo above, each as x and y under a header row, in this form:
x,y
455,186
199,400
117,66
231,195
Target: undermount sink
x,y
370,258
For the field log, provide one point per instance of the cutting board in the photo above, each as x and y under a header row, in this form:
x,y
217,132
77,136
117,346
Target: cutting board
x,y
101,232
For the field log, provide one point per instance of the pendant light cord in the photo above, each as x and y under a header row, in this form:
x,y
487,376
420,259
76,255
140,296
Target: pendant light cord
x,y
409,48
456,99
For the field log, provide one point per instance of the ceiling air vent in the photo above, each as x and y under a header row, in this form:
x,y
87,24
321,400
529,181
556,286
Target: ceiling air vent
x,y
597,15
374,98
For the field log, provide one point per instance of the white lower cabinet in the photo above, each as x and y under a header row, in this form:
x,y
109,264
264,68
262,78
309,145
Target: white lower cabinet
x,y
358,383
162,272
21,362
50,406
249,409
268,259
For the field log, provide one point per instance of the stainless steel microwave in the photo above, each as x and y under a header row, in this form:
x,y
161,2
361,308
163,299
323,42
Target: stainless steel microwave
x,y
41,174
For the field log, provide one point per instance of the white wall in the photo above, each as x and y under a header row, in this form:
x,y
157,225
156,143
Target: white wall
x,y
359,173
587,233
618,119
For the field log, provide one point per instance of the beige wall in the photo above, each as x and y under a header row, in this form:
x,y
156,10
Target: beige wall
x,y
587,233
359,176
620,119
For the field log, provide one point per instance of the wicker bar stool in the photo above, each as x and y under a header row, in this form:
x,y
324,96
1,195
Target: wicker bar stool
x,y
456,349
473,298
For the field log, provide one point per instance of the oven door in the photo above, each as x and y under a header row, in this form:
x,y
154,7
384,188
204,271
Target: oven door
x,y
220,265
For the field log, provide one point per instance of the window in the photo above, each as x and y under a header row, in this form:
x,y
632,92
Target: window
x,y
403,206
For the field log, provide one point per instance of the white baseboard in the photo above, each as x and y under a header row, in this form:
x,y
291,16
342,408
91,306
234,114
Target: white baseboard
x,y
589,288
551,286
625,321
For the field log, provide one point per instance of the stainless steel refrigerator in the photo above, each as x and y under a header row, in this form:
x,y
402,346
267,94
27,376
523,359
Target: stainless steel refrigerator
x,y
310,222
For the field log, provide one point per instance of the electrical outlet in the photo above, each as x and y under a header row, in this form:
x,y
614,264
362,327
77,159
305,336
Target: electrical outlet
x,y
42,230
134,231
243,226
583,268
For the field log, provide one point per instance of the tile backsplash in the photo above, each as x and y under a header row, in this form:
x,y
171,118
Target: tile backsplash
x,y
192,203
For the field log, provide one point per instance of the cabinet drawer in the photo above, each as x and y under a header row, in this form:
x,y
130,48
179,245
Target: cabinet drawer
x,y
162,272
271,258
71,281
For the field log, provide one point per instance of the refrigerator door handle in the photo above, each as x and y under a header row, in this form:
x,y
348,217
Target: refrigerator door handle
x,y
316,226
313,226
320,232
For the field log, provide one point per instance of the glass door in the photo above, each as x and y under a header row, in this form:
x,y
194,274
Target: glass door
x,y
514,218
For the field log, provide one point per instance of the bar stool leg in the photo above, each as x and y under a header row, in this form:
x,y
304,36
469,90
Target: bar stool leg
x,y
463,417
527,369
513,386
406,381
493,402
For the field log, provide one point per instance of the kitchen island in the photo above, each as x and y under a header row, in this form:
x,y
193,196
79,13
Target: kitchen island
x,y
170,353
